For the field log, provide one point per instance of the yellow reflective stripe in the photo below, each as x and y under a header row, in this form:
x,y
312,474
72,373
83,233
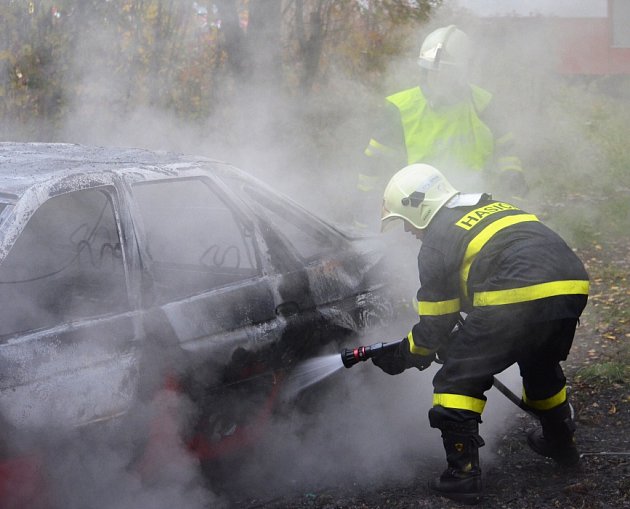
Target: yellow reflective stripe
x,y
477,243
532,292
508,159
509,163
546,404
505,139
367,183
444,307
460,402
375,144
375,148
418,350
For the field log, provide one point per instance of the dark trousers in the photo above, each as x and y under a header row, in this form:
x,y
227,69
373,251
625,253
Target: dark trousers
x,y
487,344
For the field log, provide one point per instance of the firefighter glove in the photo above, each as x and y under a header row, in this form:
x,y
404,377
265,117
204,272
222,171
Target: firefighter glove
x,y
392,362
397,361
414,360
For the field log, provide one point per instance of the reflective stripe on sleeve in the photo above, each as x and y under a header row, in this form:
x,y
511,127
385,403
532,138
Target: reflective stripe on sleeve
x,y
546,404
418,350
477,243
375,148
505,139
509,163
459,402
367,183
444,307
533,292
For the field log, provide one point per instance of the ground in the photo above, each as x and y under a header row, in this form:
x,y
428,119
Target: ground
x,y
518,479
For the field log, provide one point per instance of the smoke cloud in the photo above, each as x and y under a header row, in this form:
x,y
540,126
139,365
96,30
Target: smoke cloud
x,y
365,427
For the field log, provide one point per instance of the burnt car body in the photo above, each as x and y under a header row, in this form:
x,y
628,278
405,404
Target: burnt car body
x,y
123,271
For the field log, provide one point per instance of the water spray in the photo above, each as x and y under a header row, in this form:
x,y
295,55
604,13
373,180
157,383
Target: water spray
x,y
314,370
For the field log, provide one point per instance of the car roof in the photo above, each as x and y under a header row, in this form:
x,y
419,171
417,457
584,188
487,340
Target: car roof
x,y
26,164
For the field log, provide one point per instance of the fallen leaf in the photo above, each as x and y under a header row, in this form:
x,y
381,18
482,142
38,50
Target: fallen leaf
x,y
576,488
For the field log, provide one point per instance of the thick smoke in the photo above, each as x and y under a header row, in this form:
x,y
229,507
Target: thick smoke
x,y
366,428
92,470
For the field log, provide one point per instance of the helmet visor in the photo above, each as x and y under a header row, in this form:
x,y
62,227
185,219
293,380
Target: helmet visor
x,y
388,223
387,218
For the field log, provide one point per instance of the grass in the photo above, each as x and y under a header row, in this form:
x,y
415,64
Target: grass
x,y
581,167
588,199
609,372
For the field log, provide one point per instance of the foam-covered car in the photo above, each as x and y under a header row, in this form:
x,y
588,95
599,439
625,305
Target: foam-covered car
x,y
123,271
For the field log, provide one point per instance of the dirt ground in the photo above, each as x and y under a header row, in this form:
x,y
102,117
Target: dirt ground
x,y
518,478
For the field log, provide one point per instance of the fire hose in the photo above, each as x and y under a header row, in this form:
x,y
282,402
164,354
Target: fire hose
x,y
352,356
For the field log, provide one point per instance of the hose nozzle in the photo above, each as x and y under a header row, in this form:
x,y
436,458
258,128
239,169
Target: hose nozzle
x,y
352,356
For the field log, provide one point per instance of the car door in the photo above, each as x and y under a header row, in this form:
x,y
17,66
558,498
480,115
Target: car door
x,y
320,279
211,303
330,273
203,260
68,340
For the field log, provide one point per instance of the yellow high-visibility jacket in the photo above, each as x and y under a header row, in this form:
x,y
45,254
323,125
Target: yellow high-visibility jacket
x,y
454,136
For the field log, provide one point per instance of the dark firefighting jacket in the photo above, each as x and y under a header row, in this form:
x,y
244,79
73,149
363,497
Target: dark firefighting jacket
x,y
492,256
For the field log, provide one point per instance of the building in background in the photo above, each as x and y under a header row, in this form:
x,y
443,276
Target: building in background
x,y
585,38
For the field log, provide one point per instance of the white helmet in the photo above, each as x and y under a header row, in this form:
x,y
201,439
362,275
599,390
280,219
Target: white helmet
x,y
415,194
446,47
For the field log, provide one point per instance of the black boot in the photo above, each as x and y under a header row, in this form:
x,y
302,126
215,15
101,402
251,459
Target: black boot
x,y
555,438
461,481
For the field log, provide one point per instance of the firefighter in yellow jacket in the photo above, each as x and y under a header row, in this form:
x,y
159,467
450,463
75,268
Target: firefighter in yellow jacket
x,y
497,287
446,122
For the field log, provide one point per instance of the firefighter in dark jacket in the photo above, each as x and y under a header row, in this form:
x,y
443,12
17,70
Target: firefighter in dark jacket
x,y
444,121
497,287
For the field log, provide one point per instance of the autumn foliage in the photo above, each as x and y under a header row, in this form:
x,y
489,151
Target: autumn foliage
x,y
185,57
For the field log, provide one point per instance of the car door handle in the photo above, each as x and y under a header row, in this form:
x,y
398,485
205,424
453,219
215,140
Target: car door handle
x,y
287,308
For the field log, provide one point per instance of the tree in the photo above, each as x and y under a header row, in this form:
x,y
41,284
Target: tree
x,y
129,53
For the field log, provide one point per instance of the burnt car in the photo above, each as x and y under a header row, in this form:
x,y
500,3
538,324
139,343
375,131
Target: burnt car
x,y
125,271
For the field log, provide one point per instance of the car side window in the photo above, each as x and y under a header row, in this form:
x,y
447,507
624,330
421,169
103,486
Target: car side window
x,y
193,238
66,264
308,236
